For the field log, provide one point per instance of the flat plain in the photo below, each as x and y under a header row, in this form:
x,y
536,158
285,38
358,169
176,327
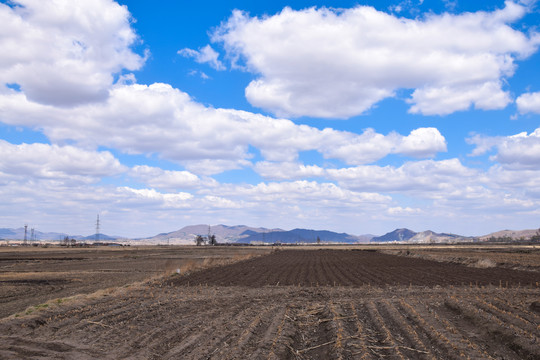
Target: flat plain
x,y
352,302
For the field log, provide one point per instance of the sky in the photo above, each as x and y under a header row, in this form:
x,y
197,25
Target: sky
x,y
350,116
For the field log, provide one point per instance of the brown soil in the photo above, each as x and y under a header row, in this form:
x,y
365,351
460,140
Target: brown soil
x,y
171,322
295,319
353,268
510,257
31,276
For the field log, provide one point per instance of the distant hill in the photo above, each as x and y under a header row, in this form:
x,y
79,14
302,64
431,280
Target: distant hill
x,y
8,233
246,234
424,237
303,236
18,234
223,233
430,237
101,237
396,235
513,234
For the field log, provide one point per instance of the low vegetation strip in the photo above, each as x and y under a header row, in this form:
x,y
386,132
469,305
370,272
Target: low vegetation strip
x,y
353,268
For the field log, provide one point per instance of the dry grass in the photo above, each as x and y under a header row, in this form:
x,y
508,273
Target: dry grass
x,y
187,266
485,263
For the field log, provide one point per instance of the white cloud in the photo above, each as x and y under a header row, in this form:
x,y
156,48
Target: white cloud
x,y
302,192
161,200
356,149
159,119
400,211
339,63
529,103
515,180
65,52
422,142
66,164
288,170
168,179
204,55
427,177
358,204
520,151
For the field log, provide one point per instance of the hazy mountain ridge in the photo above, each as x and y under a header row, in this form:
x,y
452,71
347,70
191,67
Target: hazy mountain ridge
x,y
18,234
514,234
223,233
396,235
424,237
304,236
247,234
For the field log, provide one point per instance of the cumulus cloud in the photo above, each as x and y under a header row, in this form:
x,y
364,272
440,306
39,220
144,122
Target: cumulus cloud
x,y
529,103
161,200
427,176
288,170
400,211
168,179
303,191
203,139
357,149
525,180
422,142
204,55
520,151
339,63
65,52
66,164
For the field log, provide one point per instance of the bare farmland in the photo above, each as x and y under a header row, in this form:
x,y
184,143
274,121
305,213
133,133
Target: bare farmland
x,y
294,305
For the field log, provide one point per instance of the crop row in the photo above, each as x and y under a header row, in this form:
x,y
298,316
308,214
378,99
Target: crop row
x,y
169,322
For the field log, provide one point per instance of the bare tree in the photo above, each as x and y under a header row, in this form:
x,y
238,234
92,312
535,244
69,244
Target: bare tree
x,y
199,240
536,238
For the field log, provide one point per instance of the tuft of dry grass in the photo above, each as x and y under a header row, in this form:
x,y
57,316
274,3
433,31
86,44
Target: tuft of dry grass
x,y
191,265
485,263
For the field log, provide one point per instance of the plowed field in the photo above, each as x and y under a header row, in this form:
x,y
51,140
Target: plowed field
x,y
353,268
286,306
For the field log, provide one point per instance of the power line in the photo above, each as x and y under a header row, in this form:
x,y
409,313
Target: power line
x,y
97,228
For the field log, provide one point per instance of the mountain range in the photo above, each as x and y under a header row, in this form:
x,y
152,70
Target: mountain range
x,y
424,237
18,234
252,235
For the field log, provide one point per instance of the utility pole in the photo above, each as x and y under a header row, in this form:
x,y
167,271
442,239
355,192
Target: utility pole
x,y
97,228
25,235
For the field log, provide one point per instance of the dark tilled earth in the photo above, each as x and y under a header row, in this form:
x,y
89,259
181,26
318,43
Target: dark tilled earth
x,y
353,268
297,304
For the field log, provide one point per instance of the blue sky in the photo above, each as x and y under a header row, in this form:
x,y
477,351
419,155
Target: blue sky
x,y
357,117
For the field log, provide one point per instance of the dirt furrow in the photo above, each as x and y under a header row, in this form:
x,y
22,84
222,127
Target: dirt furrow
x,y
521,342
